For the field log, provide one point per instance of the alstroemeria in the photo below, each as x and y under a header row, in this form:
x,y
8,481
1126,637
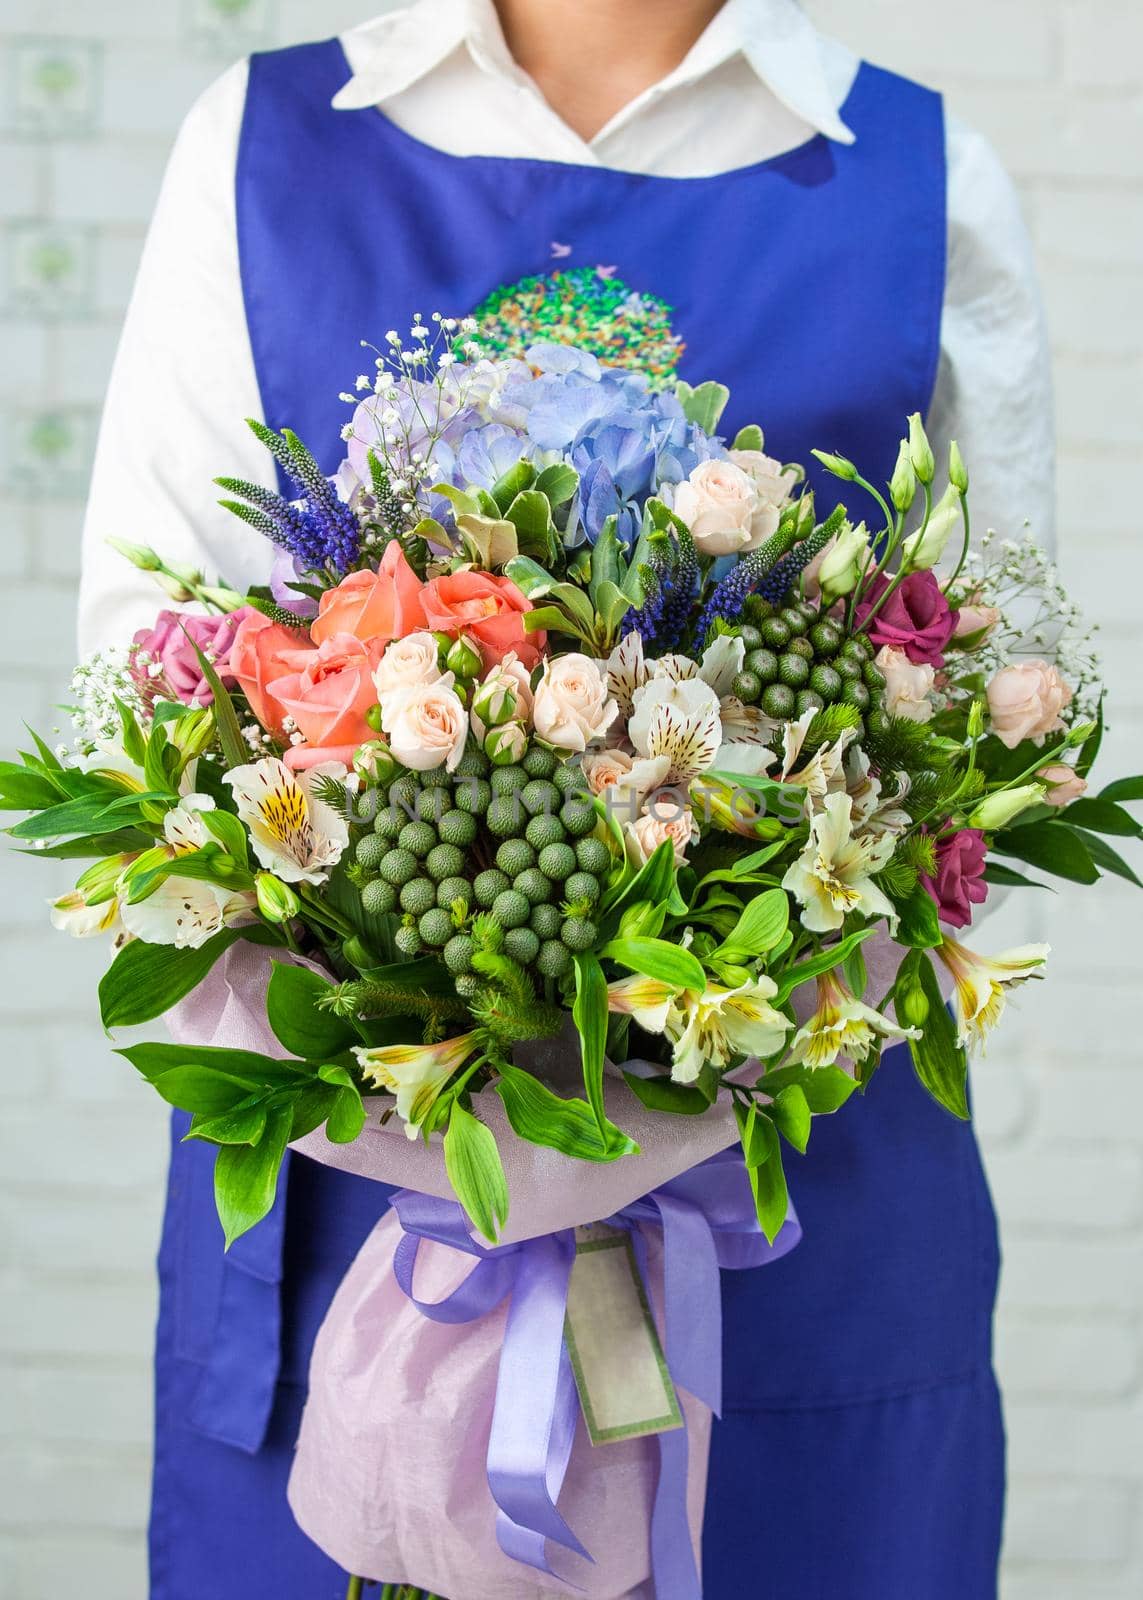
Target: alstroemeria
x,y
842,1025
833,876
980,982
722,1023
295,835
414,1073
72,914
184,912
646,999
678,719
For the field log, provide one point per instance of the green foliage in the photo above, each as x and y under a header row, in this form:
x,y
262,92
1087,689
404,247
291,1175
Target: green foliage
x,y
894,744
301,1019
473,1164
828,725
763,1155
543,1118
589,1012
146,980
939,1062
657,958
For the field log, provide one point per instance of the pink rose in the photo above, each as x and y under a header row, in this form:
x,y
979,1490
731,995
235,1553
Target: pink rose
x,y
489,609
257,656
165,664
384,605
426,725
973,619
907,686
721,507
664,819
1064,783
1025,701
916,617
327,692
959,882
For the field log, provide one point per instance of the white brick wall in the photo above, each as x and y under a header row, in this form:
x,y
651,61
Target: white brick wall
x,y
1058,85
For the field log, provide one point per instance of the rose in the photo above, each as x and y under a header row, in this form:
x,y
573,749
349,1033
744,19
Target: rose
x,y
915,618
603,769
773,485
384,605
907,685
327,692
664,820
1025,701
258,656
1064,783
165,663
489,609
426,725
719,504
571,704
974,619
408,662
505,693
623,780
959,881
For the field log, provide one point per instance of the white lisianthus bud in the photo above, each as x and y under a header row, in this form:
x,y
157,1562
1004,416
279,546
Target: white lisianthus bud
x,y
903,484
976,713
276,900
925,548
139,555
504,746
173,588
840,466
494,701
920,450
843,563
996,810
958,472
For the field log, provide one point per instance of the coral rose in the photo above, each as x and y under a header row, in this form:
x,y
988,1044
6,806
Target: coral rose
x,y
384,605
488,609
916,617
258,655
327,692
1025,701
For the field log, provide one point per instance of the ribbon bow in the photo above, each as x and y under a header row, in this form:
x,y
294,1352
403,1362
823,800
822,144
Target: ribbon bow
x,y
708,1221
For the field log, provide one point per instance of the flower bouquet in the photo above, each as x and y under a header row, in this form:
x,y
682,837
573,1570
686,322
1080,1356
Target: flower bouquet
x,y
567,741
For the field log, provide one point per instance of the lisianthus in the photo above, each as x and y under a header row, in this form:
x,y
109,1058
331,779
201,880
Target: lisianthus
x,y
958,883
916,618
1025,701
165,663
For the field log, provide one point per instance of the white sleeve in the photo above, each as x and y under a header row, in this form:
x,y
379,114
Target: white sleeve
x,y
182,383
994,386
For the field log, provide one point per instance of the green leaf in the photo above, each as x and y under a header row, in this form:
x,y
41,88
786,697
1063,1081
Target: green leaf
x,y
235,750
257,1072
531,515
86,815
704,404
826,1089
1123,789
761,926
655,881
22,789
472,1162
920,924
791,1116
748,438
939,1062
246,1176
292,1007
544,1118
1101,816
521,475
244,1123
229,832
656,958
1051,846
209,865
1110,860
832,956
529,576
1004,877
205,1090
146,980
763,1155
347,1117
589,1011
558,483
663,1094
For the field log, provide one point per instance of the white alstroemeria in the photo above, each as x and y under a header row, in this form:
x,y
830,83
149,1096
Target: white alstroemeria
x,y
646,999
295,835
874,811
183,827
680,720
979,984
842,1025
414,1073
722,662
833,876
722,1023
72,914
627,671
185,912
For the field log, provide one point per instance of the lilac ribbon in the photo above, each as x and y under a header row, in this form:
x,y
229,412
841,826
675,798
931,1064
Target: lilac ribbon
x,y
708,1222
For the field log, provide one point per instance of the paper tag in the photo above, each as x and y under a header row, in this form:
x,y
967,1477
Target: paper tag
x,y
621,1373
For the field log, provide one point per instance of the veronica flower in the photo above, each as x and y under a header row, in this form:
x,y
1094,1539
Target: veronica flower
x,y
295,835
833,876
414,1073
721,1023
979,984
842,1025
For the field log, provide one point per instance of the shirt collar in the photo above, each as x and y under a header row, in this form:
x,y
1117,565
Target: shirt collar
x,y
774,36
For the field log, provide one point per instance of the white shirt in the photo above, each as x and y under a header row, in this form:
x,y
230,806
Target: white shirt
x,y
758,82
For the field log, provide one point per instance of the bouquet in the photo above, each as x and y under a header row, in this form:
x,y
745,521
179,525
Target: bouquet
x,y
561,716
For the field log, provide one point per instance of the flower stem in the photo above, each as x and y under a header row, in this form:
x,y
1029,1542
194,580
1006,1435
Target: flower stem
x,y
354,1590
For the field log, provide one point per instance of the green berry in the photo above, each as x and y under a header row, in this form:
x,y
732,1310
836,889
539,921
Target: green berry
x,y
436,927
546,920
854,693
418,838
807,700
536,885
568,778
488,885
879,721
849,667
778,701
750,636
793,671
539,762
370,851
457,827
468,985
857,648
407,940
825,637
578,816
508,780
825,681
515,856
578,933
557,861
763,663
582,886
774,633
444,861
404,790
756,609
794,619
873,676
473,795
511,909
379,897
472,764
747,686
388,823
593,856
398,866
540,797
505,816
554,959
458,953
522,945
437,778
799,645
418,896
543,831
432,804
450,889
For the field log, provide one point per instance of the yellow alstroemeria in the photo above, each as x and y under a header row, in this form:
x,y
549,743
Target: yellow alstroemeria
x,y
414,1073
842,1025
295,835
834,873
980,982
721,1023
646,999
72,914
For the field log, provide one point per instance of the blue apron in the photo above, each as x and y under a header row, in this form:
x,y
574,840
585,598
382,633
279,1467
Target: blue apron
x,y
861,1453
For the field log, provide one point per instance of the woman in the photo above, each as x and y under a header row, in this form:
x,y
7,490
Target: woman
x,y
841,257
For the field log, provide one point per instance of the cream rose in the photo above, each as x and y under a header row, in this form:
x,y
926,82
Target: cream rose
x,y
1025,701
623,780
571,705
907,684
1064,783
426,725
408,663
772,485
719,503
664,820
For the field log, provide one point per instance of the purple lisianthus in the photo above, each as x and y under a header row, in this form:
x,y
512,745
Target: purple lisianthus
x,y
165,664
916,617
958,883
